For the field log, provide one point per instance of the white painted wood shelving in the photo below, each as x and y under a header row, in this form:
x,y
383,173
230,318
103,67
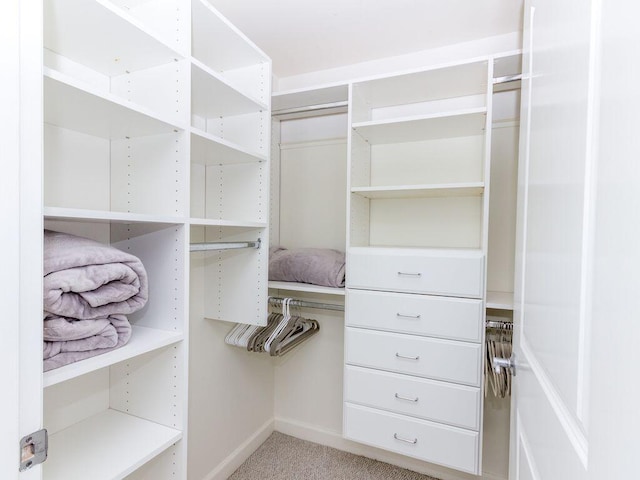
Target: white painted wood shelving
x,y
154,137
417,244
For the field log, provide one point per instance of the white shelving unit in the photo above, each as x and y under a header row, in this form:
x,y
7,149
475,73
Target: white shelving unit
x,y
419,177
153,138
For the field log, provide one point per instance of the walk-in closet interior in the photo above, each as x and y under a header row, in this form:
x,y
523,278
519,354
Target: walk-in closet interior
x,y
174,148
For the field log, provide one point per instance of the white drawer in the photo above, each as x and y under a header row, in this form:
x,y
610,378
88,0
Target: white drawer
x,y
456,273
449,446
444,317
446,360
449,403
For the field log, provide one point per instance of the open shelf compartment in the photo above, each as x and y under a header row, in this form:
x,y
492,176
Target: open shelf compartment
x,y
109,445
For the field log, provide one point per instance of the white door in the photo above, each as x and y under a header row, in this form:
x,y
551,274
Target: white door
x,y
550,408
21,239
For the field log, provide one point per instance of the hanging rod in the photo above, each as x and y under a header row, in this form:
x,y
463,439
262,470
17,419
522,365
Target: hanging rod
x,y
507,79
210,246
499,324
277,301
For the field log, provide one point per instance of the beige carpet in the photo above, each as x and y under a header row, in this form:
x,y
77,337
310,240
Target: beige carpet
x,y
283,457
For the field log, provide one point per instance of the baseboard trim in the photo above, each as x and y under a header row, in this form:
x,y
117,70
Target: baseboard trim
x,y
333,439
240,454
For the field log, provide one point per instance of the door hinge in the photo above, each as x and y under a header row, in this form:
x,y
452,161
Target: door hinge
x,y
33,449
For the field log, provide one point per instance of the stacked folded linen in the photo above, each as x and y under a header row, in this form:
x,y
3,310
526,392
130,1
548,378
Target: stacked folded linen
x,y
318,266
88,289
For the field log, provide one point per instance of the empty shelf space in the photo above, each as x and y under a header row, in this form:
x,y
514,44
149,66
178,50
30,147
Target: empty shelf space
x,y
306,287
100,216
209,28
76,106
421,191
212,150
107,40
500,300
142,340
213,96
109,445
463,123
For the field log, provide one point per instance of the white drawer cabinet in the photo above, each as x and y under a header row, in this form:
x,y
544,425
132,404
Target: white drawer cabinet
x,y
449,446
458,362
457,405
456,273
443,317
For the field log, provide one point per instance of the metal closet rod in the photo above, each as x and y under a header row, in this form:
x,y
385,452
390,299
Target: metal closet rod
x,y
507,79
303,303
499,324
211,246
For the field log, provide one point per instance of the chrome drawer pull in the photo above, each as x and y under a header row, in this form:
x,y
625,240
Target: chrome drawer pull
x,y
406,440
409,274
417,357
401,315
400,397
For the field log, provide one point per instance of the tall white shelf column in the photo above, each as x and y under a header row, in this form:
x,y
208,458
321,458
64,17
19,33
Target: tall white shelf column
x,y
150,131
417,241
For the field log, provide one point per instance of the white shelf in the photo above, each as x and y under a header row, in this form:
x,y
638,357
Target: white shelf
x,y
107,40
306,287
102,216
303,98
461,123
500,300
213,96
421,191
424,86
74,105
212,150
107,446
142,340
212,222
217,43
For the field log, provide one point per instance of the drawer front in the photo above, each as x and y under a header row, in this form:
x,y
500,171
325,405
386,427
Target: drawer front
x,y
456,405
437,272
449,446
446,360
444,317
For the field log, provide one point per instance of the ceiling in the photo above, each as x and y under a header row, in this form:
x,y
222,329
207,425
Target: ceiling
x,y
307,35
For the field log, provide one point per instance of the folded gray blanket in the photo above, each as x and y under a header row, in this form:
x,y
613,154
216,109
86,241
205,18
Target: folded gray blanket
x,y
85,280
67,340
318,266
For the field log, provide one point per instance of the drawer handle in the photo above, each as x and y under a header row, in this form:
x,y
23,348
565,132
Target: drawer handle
x,y
402,315
400,397
409,274
417,357
406,440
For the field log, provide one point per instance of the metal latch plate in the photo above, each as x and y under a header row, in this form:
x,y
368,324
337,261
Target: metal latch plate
x,y
33,449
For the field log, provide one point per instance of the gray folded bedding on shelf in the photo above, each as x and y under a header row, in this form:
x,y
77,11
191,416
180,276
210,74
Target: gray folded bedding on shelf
x,y
84,279
317,266
67,340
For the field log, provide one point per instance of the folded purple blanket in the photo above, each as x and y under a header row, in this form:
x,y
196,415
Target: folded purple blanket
x,y
67,340
85,280
318,266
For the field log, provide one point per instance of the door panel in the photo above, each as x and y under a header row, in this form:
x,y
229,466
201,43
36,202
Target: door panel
x,y
553,245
